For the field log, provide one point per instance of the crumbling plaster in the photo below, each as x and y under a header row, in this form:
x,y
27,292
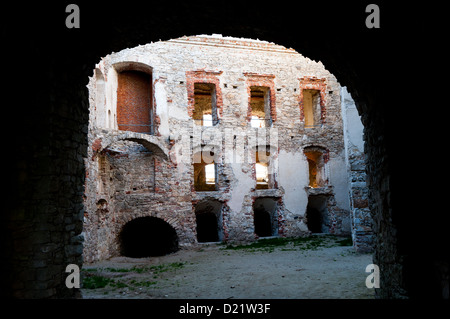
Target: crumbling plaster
x,y
232,65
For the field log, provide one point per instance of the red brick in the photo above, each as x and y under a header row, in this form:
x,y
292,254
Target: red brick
x,y
134,101
313,83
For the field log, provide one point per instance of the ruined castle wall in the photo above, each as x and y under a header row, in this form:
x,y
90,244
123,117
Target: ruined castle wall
x,y
147,183
362,232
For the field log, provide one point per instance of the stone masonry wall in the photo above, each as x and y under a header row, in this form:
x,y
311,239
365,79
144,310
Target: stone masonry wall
x,y
130,176
362,232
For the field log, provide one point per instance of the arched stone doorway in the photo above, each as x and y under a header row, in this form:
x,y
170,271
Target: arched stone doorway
x,y
146,237
208,215
317,214
265,216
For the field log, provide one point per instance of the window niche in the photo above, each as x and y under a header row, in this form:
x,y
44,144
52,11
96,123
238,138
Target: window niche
x,y
134,101
317,158
205,104
205,171
260,106
264,168
261,99
312,108
312,101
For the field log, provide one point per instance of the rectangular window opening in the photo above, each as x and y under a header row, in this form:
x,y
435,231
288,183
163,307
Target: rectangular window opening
x,y
264,180
316,168
210,174
262,176
205,110
312,108
260,106
205,172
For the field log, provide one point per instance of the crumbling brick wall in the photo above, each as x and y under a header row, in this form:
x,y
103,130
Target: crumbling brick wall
x,y
155,175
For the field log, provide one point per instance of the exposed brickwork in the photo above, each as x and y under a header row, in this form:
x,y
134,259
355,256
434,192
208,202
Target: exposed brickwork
x,y
160,183
313,83
202,76
134,101
96,147
264,80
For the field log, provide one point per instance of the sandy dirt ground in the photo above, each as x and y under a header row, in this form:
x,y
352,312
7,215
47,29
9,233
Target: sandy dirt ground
x,y
210,271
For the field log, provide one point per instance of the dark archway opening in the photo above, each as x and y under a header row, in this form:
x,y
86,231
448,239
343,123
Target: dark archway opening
x,y
265,216
207,228
314,220
263,223
317,214
208,216
147,237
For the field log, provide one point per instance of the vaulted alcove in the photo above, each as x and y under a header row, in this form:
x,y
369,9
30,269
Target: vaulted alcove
x,y
146,237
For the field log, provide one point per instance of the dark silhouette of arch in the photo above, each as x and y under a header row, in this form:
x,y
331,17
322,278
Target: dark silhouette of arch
x,y
208,214
147,236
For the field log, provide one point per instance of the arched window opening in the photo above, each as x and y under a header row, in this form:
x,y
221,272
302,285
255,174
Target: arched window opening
x,y
147,237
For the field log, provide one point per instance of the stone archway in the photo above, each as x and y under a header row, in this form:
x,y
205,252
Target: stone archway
x,y
209,221
265,214
154,144
146,237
